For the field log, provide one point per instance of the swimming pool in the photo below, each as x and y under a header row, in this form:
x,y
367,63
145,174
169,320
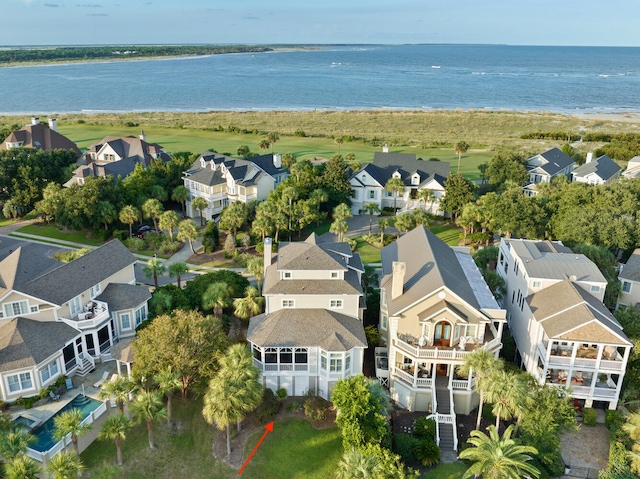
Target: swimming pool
x,y
44,432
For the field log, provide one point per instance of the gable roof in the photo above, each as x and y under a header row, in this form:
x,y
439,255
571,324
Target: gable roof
x,y
321,328
121,296
553,260
631,269
633,168
246,172
566,311
19,266
131,147
551,162
604,167
26,342
42,137
384,165
310,256
68,280
431,265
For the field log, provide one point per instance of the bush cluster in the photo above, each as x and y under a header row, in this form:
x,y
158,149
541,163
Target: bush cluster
x,y
589,416
269,406
316,408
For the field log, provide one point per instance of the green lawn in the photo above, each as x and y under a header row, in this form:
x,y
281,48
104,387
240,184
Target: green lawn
x,y
186,453
446,471
446,233
55,232
294,450
368,253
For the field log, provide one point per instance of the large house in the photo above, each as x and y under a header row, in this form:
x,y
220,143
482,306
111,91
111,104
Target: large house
x,y
564,334
544,167
601,171
116,157
435,308
39,136
368,183
311,333
221,180
629,278
633,168
61,318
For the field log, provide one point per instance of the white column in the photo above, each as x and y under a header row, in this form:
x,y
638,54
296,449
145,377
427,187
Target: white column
x,y
118,365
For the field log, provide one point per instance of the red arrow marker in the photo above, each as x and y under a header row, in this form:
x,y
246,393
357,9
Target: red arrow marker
x,y
269,428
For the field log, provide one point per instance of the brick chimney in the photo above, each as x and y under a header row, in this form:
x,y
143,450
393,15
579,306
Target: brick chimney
x,y
268,244
399,270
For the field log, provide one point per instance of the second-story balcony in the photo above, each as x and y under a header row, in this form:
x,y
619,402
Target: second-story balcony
x,y
412,347
94,313
584,357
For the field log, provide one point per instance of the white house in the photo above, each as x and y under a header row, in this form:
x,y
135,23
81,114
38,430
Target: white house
x,y
633,168
368,183
221,180
61,318
311,332
564,334
629,277
601,171
435,309
544,167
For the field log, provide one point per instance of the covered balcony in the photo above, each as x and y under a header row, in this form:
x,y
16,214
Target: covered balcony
x,y
93,314
584,384
565,355
421,374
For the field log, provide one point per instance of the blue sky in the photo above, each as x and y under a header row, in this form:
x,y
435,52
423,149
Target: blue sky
x,y
517,22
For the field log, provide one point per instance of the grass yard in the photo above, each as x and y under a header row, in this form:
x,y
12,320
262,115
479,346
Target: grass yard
x,y
294,450
368,254
54,232
446,233
184,454
446,471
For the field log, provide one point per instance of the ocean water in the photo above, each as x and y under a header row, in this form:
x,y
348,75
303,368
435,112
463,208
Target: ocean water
x,y
563,79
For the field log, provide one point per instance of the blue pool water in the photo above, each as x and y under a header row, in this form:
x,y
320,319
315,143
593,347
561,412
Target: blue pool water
x,y
44,433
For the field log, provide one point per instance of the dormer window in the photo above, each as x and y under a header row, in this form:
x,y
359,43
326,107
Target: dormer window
x,y
335,275
415,180
396,175
202,162
287,275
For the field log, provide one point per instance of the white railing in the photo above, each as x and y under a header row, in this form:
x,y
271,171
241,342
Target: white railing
x,y
430,353
280,367
461,384
413,381
614,365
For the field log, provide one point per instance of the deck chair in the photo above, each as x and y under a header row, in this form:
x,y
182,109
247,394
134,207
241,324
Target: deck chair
x,y
102,380
53,396
68,383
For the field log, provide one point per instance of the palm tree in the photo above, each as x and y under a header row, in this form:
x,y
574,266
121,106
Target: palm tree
x,y
180,194
129,215
340,215
395,186
107,213
498,458
290,194
169,220
65,465
262,225
152,208
199,203
339,141
168,381
119,389
255,267
425,195
264,144
633,457
272,138
70,422
403,222
250,305
115,428
178,269
419,217
15,443
154,267
188,231
233,217
508,393
483,363
357,465
217,297
148,407
373,209
21,467
383,224
461,148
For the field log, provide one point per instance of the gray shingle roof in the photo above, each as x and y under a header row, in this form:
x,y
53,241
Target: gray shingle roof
x,y
122,351
124,296
308,256
132,147
603,166
556,161
18,266
321,328
631,269
552,260
385,164
59,285
430,265
274,285
25,342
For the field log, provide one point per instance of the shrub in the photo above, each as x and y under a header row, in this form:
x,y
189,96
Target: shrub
x,y
373,335
100,234
617,454
427,452
229,246
589,416
268,408
292,406
211,237
316,408
260,247
69,256
120,234
613,419
154,240
404,444
135,243
424,428
242,259
299,133
281,393
4,406
168,246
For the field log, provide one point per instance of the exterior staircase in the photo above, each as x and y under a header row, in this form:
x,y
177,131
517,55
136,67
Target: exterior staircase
x,y
445,417
85,366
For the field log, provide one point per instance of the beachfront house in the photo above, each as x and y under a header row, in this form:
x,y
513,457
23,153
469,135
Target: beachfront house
x,y
311,333
368,183
565,336
62,318
544,167
435,309
221,180
40,136
601,171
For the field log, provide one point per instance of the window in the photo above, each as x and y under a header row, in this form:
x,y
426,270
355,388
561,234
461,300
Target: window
x,y
286,356
19,382
75,306
372,194
384,322
626,287
335,304
383,298
334,275
94,291
595,288
49,371
323,361
257,353
15,309
286,274
515,268
141,315
288,303
271,355
389,194
537,284
347,362
301,356
335,363
125,321
34,309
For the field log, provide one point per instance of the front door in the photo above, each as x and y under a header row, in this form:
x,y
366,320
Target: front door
x,y
442,369
442,334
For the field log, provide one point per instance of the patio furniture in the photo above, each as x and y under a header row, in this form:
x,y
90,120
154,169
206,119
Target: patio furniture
x,y
102,380
579,378
53,396
69,383
562,376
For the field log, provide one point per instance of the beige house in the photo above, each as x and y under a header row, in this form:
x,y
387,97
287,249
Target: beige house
x,y
221,180
435,308
564,334
40,136
311,334
629,278
61,318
